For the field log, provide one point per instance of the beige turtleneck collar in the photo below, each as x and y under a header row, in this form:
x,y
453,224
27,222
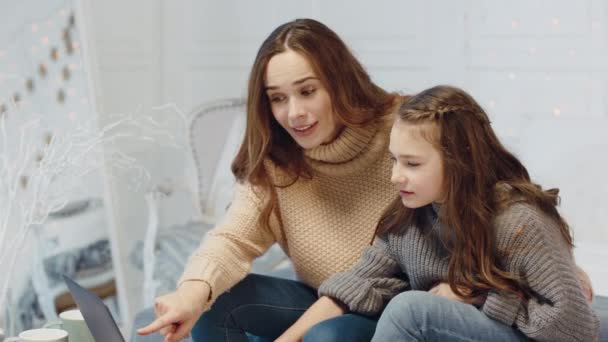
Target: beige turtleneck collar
x,y
352,150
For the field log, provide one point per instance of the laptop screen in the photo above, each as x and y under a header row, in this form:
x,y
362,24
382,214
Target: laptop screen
x,y
95,313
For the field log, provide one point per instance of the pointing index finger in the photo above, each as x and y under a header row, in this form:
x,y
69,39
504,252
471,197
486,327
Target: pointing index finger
x,y
155,326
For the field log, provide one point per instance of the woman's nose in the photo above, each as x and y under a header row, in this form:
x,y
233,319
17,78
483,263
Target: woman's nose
x,y
296,111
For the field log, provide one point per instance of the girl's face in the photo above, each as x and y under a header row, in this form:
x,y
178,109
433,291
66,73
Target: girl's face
x,y
298,100
417,164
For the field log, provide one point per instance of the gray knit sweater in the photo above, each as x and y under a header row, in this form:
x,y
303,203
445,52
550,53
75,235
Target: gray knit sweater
x,y
413,259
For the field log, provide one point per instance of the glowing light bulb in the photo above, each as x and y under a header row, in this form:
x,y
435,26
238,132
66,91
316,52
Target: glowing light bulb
x,y
557,111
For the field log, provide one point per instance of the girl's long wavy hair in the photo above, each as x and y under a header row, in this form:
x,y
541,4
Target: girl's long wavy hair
x,y
355,100
476,165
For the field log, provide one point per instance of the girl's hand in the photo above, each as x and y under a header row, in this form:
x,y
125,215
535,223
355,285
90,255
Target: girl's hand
x,y
444,290
177,312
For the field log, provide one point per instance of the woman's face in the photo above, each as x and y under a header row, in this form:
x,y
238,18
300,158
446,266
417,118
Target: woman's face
x,y
417,164
298,100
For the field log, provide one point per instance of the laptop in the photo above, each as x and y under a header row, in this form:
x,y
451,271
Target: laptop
x,y
95,313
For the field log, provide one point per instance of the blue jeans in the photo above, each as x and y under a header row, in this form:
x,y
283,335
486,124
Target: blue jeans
x,y
422,316
263,307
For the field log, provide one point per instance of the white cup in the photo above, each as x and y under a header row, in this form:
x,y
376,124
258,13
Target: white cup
x,y
41,335
73,322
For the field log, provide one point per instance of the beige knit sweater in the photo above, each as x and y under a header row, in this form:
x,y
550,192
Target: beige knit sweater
x,y
327,220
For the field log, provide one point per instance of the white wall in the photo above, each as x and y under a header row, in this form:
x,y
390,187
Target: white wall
x,y
539,67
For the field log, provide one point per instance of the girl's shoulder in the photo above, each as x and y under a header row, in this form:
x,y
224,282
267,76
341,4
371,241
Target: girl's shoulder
x,y
523,220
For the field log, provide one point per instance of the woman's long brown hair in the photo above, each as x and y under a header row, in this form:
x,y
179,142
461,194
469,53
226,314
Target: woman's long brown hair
x,y
476,166
355,99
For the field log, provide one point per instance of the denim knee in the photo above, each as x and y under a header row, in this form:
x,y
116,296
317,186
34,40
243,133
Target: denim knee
x,y
325,331
348,327
219,313
211,319
199,328
409,307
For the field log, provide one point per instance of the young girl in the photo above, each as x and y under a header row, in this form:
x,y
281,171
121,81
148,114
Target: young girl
x,y
313,175
472,250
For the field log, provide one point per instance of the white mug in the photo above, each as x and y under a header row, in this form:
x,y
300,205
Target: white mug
x,y
73,322
40,335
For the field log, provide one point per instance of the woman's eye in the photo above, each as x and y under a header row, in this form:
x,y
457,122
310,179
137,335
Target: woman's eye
x,y
393,160
410,164
276,99
308,91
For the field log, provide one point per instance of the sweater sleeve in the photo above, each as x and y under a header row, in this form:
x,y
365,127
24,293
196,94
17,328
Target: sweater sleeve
x,y
370,284
558,309
226,253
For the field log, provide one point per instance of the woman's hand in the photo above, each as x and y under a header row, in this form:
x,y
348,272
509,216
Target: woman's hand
x,y
444,290
177,312
585,283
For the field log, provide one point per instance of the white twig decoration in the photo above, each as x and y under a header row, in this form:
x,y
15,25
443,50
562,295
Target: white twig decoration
x,y
34,184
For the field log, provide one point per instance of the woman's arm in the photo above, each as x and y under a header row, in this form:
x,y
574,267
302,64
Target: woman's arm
x,y
324,308
223,259
225,255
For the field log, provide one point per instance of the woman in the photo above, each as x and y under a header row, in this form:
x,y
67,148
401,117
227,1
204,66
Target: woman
x,y
313,175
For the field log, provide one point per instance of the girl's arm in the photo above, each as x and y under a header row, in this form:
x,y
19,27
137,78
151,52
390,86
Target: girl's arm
x,y
558,309
365,289
371,283
324,308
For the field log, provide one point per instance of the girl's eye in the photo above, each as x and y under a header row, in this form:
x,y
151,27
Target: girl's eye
x,y
393,160
410,164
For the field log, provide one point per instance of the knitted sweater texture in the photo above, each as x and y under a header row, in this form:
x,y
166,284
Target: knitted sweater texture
x,y
416,259
323,223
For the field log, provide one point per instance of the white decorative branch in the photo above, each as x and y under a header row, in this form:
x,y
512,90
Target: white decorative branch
x,y
59,168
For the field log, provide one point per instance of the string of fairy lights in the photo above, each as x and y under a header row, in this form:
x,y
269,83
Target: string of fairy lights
x,y
39,69
68,47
